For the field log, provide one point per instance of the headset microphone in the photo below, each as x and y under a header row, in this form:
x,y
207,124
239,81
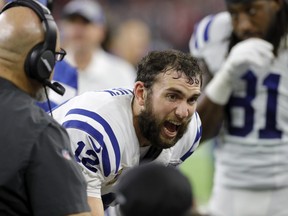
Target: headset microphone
x,y
55,86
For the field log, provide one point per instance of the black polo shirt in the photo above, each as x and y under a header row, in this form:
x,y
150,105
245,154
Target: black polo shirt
x,y
38,174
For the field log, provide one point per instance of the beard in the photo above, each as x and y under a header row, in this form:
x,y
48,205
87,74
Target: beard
x,y
40,95
150,128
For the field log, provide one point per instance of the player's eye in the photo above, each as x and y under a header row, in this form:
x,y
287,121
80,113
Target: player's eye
x,y
172,97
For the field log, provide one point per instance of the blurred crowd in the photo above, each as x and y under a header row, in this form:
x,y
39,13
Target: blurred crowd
x,y
171,22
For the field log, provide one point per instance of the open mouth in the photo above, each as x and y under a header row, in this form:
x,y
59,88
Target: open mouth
x,y
171,128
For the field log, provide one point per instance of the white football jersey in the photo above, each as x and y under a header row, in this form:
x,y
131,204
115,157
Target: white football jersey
x,y
104,141
254,149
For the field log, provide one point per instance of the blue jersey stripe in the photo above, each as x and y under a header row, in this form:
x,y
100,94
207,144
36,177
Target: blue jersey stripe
x,y
207,28
96,135
195,36
197,138
107,129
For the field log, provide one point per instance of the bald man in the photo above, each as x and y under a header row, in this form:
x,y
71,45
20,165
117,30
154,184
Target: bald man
x,y
38,175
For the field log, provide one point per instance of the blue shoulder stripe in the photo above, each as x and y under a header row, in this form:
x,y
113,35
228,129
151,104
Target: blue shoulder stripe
x,y
207,28
195,37
198,33
95,134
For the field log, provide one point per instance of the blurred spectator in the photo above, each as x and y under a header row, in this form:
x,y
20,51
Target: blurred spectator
x,y
130,40
83,30
171,22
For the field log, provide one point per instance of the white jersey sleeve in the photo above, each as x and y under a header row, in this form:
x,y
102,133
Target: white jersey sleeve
x,y
210,39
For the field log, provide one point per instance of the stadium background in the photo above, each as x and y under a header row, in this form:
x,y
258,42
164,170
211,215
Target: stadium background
x,y
171,21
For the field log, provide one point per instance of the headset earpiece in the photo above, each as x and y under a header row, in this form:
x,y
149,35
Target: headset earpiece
x,y
39,63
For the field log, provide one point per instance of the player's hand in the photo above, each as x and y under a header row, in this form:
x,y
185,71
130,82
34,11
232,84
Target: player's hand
x,y
247,53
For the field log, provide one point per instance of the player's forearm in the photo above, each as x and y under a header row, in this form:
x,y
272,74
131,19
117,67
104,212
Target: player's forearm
x,y
211,115
96,206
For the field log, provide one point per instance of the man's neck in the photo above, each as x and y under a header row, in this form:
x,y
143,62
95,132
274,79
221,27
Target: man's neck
x,y
22,82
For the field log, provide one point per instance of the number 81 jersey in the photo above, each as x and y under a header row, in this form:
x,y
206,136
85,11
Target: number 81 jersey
x,y
257,107
255,148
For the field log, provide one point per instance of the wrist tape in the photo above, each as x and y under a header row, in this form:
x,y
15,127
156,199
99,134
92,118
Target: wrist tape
x,y
219,88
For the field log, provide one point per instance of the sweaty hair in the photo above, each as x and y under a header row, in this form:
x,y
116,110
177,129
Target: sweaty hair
x,y
157,62
277,30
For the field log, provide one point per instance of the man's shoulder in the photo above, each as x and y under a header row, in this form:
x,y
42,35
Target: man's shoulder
x,y
104,97
39,119
20,113
107,102
211,29
26,110
210,39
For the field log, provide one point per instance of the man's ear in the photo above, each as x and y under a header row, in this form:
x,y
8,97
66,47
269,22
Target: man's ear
x,y
140,93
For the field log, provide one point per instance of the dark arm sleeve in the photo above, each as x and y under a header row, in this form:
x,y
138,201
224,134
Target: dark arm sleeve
x,y
54,179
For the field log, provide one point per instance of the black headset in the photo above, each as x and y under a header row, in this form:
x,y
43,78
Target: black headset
x,y
40,61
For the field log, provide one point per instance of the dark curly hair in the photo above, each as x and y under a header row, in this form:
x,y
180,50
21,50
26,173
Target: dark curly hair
x,y
157,62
